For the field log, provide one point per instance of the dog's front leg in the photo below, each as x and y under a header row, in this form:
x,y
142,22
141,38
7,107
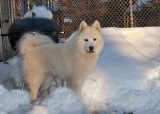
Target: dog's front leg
x,y
76,85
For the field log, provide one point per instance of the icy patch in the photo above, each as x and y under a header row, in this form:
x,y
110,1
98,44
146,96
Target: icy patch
x,y
40,12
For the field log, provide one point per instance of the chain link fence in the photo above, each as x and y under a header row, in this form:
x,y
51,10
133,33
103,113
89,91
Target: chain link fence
x,y
5,50
69,13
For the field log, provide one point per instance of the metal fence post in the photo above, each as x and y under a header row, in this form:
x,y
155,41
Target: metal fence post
x,y
131,13
10,18
3,42
4,28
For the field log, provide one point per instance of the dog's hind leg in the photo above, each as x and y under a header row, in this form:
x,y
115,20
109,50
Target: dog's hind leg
x,y
34,80
46,84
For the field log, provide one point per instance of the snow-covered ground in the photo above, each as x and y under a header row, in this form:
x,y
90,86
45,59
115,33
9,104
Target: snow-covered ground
x,y
128,72
126,79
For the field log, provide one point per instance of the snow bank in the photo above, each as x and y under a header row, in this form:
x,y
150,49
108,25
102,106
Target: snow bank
x,y
147,112
60,101
10,100
40,12
64,101
130,66
10,74
126,78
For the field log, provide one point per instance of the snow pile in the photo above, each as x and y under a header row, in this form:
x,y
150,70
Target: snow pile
x,y
60,101
147,112
130,66
64,101
94,94
10,100
10,74
40,12
126,78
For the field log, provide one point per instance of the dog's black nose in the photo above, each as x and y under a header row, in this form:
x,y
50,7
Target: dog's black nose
x,y
91,48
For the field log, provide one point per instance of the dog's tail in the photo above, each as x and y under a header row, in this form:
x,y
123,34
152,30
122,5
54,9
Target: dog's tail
x,y
30,41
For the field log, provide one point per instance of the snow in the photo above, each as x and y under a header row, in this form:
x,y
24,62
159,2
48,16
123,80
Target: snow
x,y
10,74
67,20
10,100
40,12
147,112
64,101
60,101
126,79
130,67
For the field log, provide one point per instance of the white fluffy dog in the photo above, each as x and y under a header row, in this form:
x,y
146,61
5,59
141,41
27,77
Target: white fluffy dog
x,y
74,59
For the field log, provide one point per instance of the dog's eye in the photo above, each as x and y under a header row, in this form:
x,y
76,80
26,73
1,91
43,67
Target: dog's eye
x,y
94,39
86,40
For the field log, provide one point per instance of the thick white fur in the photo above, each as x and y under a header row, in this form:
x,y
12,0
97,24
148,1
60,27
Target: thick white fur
x,y
43,59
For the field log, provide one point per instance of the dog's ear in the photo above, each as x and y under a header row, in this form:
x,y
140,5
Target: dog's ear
x,y
82,26
97,25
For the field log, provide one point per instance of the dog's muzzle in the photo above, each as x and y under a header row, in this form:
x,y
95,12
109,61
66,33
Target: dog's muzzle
x,y
91,49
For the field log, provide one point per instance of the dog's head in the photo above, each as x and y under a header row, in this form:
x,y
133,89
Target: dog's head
x,y
90,37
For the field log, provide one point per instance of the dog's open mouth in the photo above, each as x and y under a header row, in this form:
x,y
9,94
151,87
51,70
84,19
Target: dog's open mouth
x,y
91,51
